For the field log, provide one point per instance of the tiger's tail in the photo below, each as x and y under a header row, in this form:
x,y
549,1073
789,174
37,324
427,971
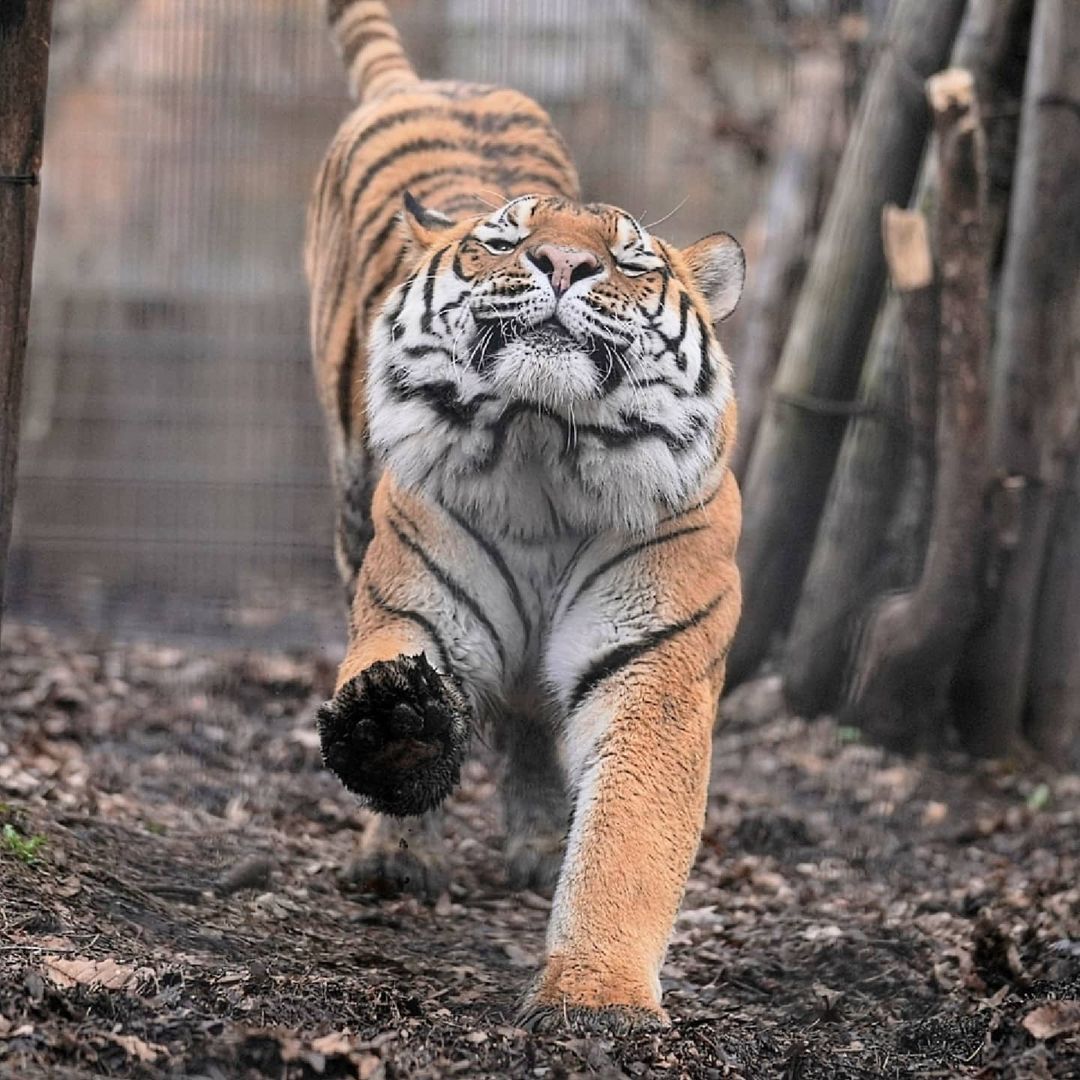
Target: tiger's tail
x,y
370,47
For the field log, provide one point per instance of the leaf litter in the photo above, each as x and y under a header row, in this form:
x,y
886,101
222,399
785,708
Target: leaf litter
x,y
851,914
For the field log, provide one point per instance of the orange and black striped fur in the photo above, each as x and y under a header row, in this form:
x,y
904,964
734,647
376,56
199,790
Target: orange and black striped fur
x,y
530,417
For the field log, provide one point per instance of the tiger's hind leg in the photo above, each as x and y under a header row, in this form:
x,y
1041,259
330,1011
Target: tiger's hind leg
x,y
534,802
400,856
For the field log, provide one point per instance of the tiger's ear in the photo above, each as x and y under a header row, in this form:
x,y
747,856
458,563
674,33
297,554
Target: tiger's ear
x,y
719,269
423,223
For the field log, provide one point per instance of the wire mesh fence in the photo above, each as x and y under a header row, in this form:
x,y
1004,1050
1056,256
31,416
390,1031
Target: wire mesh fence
x,y
172,475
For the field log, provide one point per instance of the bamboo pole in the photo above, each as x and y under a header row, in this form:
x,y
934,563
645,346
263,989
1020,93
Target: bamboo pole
x,y
24,64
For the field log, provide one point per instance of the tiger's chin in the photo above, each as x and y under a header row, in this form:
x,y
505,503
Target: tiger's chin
x,y
547,367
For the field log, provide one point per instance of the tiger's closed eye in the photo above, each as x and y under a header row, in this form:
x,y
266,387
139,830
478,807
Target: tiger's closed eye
x,y
635,269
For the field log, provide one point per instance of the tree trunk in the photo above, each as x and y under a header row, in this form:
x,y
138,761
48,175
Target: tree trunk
x,y
847,567
1035,393
24,60
1054,717
806,150
872,534
908,651
792,459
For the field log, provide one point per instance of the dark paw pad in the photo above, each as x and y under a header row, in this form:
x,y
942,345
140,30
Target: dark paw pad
x,y
396,735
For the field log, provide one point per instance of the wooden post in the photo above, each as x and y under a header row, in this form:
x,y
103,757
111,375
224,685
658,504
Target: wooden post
x,y
911,643
792,460
848,569
1035,395
872,535
806,150
24,66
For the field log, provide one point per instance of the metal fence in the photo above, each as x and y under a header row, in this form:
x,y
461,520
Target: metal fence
x,y
172,476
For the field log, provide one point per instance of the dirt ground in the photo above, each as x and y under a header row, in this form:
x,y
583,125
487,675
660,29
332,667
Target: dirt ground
x,y
170,903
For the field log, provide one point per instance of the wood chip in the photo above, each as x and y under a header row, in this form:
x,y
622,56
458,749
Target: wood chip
x,y
77,971
1056,1018
137,1048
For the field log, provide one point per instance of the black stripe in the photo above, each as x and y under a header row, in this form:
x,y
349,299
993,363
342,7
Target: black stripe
x,y
429,289
456,590
492,124
355,45
441,396
487,153
563,579
610,438
443,175
695,507
345,380
594,575
614,661
414,617
383,284
471,203
393,62
496,556
684,315
705,374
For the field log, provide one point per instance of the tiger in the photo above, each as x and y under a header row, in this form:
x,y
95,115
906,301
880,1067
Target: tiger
x,y
530,418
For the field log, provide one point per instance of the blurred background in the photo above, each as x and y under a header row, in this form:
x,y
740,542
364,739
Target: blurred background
x,y
172,470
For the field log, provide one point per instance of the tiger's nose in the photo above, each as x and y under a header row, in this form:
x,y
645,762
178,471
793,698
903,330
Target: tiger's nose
x,y
563,266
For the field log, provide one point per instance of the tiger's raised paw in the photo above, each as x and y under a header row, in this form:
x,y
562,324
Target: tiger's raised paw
x,y
396,735
611,1020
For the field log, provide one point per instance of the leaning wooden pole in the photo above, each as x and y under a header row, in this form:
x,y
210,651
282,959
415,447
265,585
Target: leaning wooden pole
x,y
872,532
1034,401
792,459
806,151
912,641
24,66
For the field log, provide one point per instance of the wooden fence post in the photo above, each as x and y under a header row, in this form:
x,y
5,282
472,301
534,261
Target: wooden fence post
x,y
24,66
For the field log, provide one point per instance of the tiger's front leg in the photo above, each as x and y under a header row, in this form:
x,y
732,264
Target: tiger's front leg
x,y
396,730
637,654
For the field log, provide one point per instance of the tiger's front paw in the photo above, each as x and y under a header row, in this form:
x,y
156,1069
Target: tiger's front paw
x,y
567,997
396,735
616,1020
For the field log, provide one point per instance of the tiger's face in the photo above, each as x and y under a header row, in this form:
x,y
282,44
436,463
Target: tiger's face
x,y
554,354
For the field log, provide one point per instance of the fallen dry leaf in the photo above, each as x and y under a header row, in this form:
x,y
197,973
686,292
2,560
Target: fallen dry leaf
x,y
336,1042
369,1067
137,1048
107,974
1056,1018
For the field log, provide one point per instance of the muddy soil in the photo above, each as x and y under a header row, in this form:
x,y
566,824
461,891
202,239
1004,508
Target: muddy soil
x,y
171,901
